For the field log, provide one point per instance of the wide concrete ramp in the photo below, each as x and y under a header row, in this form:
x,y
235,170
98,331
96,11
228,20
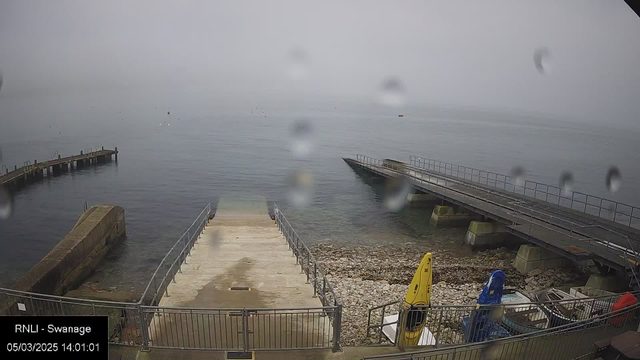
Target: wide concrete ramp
x,y
241,260
241,248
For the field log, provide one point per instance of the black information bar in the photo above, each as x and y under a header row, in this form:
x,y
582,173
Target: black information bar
x,y
54,337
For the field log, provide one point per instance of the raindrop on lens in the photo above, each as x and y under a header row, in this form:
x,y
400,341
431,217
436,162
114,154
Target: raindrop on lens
x,y
542,60
518,174
613,179
392,92
301,144
396,194
300,188
566,182
6,206
298,64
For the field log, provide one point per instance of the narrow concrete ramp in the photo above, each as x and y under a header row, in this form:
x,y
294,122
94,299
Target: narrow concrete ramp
x,y
241,260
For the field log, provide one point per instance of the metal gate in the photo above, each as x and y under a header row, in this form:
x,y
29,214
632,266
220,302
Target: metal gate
x,y
241,329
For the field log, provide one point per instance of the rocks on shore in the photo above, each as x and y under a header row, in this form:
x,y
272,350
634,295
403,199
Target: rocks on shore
x,y
368,276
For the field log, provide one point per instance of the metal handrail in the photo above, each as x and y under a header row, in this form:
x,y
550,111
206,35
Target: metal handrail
x,y
550,302
439,318
607,243
578,325
300,249
237,308
375,162
494,179
293,240
64,299
187,240
574,226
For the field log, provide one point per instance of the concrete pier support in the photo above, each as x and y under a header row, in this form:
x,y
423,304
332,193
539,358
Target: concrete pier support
x,y
65,167
449,216
608,283
482,233
531,257
422,201
56,169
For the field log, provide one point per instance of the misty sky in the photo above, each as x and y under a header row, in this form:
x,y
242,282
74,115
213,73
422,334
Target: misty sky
x,y
460,53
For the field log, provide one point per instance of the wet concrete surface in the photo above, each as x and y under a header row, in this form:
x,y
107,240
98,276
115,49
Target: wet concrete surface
x,y
241,248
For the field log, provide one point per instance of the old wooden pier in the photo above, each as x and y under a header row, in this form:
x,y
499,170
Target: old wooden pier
x,y
38,170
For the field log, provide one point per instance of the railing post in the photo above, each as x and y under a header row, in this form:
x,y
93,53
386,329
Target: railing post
x,y
308,263
400,327
245,330
572,200
315,279
337,327
143,329
324,291
33,308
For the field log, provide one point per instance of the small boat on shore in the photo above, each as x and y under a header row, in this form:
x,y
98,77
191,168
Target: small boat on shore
x,y
524,318
563,308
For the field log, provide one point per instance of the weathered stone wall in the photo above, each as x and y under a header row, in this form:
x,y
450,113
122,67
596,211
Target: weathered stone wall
x,y
78,253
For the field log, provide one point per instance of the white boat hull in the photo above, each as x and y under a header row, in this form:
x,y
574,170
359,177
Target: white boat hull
x,y
389,331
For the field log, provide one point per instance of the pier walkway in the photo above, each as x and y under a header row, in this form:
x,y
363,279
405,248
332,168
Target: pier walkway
x,y
579,232
37,170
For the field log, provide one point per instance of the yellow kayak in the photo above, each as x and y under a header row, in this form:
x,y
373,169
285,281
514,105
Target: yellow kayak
x,y
418,295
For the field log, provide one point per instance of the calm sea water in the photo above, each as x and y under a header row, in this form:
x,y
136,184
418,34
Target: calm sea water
x,y
220,147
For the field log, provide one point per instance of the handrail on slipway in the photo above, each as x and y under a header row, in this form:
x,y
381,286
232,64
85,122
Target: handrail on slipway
x,y
142,323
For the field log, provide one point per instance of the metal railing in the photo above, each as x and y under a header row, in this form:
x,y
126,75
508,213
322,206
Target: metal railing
x,y
543,223
368,160
128,324
589,204
445,322
28,167
240,328
308,263
420,176
570,341
148,325
173,260
309,266
125,325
